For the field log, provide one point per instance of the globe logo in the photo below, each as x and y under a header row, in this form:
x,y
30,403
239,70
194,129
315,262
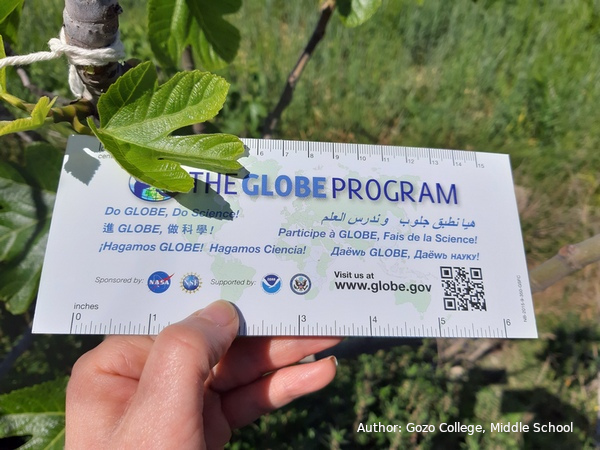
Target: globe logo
x,y
190,283
146,192
271,283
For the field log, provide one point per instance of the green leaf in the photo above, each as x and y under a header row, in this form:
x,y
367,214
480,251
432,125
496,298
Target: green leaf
x,y
168,29
36,120
37,411
221,40
137,119
10,15
26,200
204,52
356,12
175,24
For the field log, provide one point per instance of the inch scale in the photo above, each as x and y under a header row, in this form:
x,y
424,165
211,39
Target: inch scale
x,y
319,239
84,323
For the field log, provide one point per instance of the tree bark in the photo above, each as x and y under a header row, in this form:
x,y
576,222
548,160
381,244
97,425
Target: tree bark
x,y
93,24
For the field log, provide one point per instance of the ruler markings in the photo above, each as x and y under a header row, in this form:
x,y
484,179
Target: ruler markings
x,y
372,328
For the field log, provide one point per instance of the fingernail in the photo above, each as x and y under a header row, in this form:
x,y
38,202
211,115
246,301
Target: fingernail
x,y
334,359
221,313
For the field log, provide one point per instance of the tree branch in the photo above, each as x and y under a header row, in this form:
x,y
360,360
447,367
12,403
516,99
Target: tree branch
x,y
93,24
569,259
288,92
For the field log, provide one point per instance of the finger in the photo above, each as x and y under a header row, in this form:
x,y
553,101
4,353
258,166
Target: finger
x,y
178,364
245,404
185,352
250,358
102,383
108,374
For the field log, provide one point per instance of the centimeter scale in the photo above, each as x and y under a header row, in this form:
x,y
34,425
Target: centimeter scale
x,y
316,239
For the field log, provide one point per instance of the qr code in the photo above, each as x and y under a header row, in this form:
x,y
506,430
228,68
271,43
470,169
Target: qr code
x,y
463,289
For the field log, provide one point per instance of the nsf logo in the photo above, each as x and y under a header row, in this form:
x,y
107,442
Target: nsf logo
x,y
190,283
159,282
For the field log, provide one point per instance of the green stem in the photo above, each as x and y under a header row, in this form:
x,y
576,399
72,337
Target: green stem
x,y
16,102
76,114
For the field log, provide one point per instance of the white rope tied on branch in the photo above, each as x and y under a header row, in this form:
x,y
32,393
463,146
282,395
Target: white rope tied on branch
x,y
77,56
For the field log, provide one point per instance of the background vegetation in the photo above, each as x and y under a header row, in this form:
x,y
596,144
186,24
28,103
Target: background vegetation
x,y
517,77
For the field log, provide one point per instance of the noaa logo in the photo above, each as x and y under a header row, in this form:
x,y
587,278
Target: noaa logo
x,y
159,282
300,284
190,283
271,283
146,192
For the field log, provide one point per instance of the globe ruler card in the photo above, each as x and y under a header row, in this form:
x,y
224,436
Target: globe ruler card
x,y
316,239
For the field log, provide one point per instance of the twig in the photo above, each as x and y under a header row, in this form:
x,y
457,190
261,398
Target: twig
x,y
569,259
187,59
288,92
34,88
483,349
26,81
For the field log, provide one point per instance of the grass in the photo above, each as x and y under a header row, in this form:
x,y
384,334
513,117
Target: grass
x,y
516,77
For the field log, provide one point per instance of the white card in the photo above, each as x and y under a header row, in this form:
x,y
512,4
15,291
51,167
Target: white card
x,y
318,239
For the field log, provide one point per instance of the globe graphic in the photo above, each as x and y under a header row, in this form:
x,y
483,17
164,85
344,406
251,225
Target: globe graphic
x,y
147,192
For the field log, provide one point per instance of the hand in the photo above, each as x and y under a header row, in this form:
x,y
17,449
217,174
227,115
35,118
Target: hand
x,y
189,386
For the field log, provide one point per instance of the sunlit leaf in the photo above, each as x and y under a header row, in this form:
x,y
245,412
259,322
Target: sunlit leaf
x,y
137,119
356,12
37,413
36,120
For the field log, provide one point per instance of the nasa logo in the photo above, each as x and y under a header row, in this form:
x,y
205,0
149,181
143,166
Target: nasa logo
x,y
159,282
300,284
271,283
146,192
